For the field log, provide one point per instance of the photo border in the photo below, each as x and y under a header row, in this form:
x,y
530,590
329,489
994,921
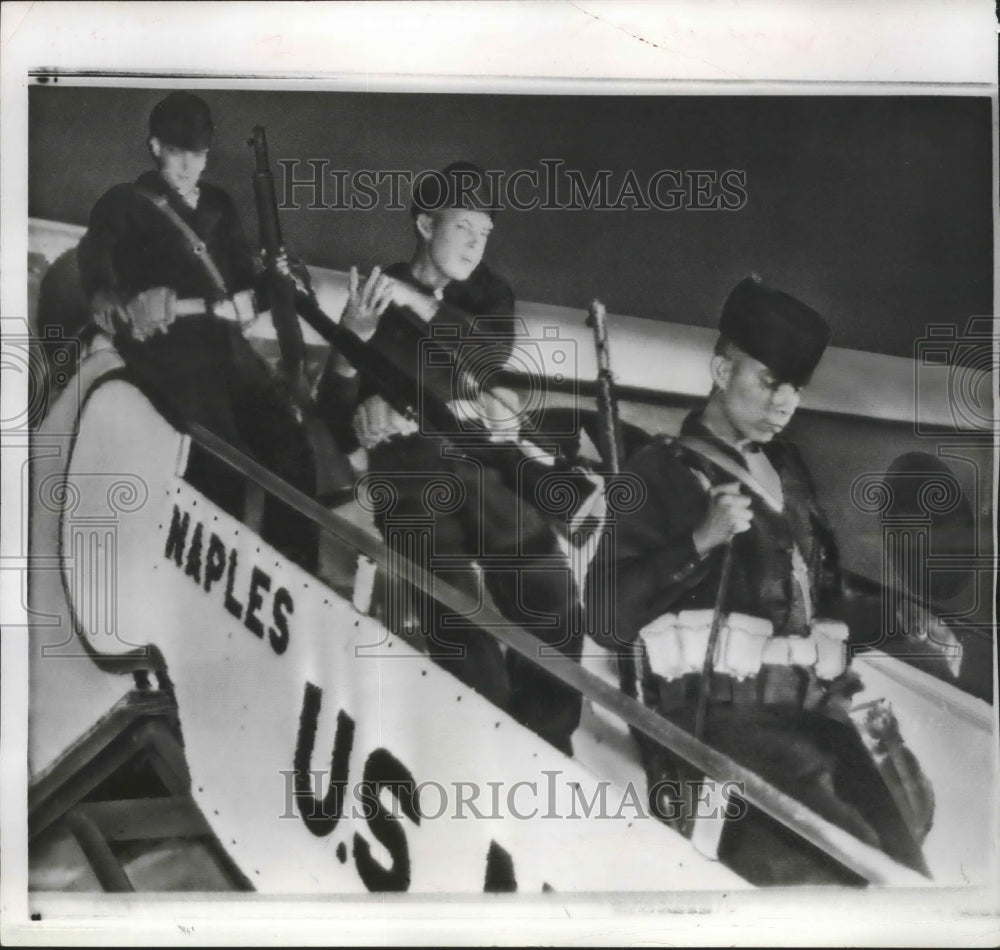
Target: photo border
x,y
97,43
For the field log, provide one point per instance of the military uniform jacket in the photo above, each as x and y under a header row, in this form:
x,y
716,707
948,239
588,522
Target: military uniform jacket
x,y
481,306
131,246
656,566
815,755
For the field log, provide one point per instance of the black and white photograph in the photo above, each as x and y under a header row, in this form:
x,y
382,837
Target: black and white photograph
x,y
518,499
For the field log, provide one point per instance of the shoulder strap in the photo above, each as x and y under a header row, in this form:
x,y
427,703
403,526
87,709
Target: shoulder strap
x,y
195,244
707,451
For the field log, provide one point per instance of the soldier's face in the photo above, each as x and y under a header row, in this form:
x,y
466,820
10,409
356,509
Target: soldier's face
x,y
456,240
180,168
757,405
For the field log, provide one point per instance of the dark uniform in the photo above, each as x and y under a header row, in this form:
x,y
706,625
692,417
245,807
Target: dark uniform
x,y
201,369
484,297
783,722
529,577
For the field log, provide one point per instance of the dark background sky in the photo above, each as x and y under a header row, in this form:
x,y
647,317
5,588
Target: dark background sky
x,y
875,210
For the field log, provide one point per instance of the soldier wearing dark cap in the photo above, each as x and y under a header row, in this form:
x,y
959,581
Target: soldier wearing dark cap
x,y
444,284
425,315
171,277
730,489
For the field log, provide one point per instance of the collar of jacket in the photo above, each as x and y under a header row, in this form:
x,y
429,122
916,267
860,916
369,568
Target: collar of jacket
x,y
153,181
694,425
774,450
402,271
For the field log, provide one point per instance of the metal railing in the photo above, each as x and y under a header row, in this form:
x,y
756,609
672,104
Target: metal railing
x,y
870,863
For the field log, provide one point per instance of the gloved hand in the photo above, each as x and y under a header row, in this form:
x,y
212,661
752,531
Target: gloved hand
x,y
375,421
150,312
147,313
108,312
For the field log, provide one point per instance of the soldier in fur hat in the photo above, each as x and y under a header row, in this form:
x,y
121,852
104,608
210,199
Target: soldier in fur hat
x,y
731,527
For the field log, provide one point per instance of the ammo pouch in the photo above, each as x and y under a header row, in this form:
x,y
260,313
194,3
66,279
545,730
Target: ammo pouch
x,y
676,643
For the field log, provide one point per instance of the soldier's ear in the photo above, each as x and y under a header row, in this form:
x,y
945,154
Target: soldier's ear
x,y
721,368
155,148
425,225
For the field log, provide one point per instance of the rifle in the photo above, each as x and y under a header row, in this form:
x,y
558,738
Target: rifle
x,y
406,395
611,445
413,398
333,471
281,292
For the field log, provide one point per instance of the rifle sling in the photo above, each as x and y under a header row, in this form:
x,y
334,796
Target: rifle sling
x,y
711,453
193,242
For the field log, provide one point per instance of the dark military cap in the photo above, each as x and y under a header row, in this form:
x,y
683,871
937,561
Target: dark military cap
x,y
785,335
182,120
460,185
